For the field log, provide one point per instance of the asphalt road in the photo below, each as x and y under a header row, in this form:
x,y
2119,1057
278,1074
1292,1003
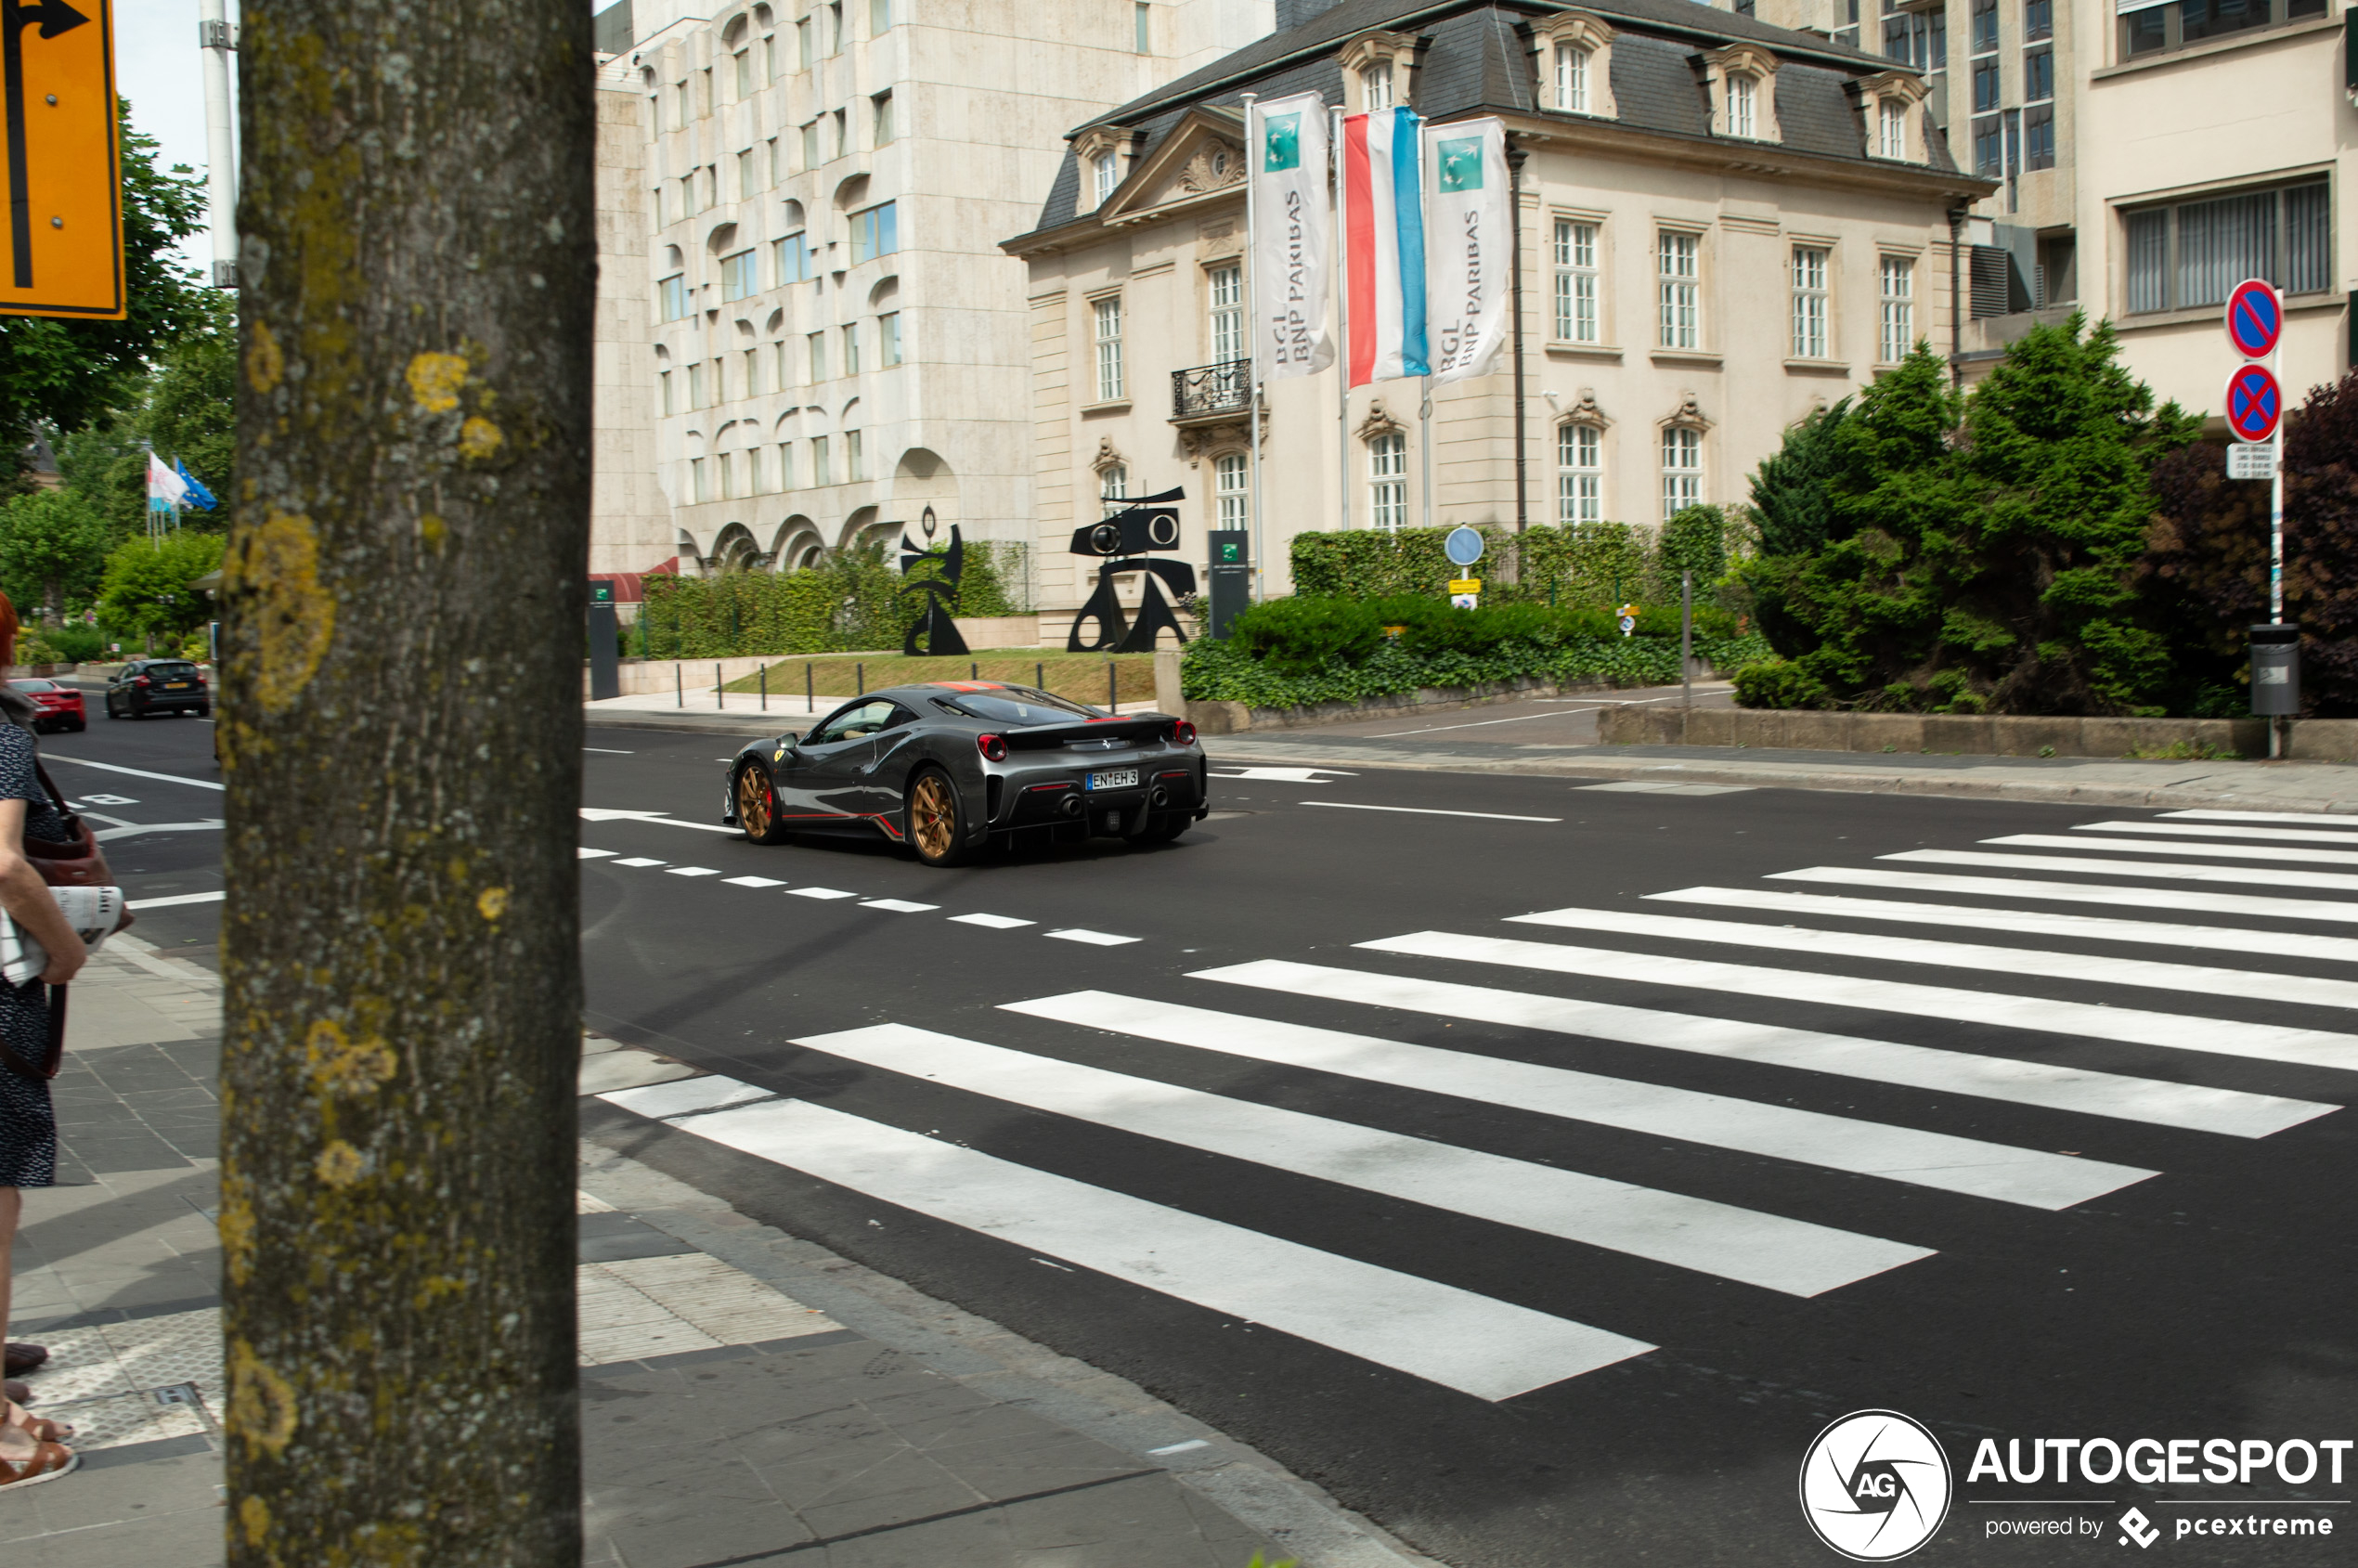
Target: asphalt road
x,y
1545,1243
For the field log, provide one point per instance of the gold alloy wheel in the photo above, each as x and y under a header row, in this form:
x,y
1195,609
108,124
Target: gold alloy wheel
x,y
933,817
754,813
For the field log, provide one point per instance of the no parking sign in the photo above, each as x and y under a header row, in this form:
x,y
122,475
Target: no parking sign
x,y
2254,403
2254,318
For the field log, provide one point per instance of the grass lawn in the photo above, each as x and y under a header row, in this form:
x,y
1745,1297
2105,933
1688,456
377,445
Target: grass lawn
x,y
1081,677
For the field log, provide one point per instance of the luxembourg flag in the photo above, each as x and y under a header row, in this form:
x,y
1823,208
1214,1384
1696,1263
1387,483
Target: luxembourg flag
x,y
1384,243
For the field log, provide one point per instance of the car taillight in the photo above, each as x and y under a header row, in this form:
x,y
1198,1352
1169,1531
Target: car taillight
x,y
140,680
993,747
1183,733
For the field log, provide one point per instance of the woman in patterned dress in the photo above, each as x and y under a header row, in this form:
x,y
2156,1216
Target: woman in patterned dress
x,y
29,1448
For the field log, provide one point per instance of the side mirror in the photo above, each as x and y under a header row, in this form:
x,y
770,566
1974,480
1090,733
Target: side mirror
x,y
789,739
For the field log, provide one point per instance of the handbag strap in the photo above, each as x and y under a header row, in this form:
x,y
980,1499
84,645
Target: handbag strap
x,y
57,797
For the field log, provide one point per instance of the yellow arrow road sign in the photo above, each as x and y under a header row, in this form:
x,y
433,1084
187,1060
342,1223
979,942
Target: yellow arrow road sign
x,y
62,253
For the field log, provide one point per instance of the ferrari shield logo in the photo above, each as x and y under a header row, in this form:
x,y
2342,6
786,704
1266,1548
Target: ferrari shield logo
x,y
1460,164
1281,143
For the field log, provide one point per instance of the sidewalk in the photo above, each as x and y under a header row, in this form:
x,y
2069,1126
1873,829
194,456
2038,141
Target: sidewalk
x,y
746,1398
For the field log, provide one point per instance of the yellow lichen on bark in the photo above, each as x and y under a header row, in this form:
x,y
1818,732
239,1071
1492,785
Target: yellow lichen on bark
x,y
479,439
435,380
262,1404
265,363
493,903
279,563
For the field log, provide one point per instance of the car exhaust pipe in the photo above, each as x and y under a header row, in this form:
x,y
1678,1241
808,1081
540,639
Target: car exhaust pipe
x,y
1161,796
1070,805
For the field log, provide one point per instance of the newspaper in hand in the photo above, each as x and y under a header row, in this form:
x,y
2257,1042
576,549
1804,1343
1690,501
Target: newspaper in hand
x,y
94,913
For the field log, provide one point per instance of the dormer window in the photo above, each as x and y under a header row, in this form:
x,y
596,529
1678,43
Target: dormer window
x,y
1891,106
1375,68
1743,92
1891,134
1572,78
1099,154
1105,173
1743,98
1574,64
1375,88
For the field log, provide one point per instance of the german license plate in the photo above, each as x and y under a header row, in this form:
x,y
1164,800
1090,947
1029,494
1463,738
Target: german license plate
x,y
1115,778
175,686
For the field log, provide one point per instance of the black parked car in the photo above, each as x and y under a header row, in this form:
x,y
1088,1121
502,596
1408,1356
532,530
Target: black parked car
x,y
145,686
949,767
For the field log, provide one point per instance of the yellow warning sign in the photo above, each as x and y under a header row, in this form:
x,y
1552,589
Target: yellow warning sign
x,y
1465,585
62,252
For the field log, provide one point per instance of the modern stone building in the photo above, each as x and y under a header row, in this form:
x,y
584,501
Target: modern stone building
x,y
1722,224
807,332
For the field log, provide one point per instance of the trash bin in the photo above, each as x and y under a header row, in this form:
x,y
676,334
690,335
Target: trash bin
x,y
2276,672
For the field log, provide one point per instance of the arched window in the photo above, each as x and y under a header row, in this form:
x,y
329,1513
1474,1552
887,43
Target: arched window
x,y
1113,487
1892,137
1231,488
1681,470
1572,78
1374,87
1388,481
1743,107
1580,473
1106,173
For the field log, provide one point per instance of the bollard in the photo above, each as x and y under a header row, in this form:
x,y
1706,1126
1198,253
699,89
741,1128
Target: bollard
x,y
974,671
860,677
810,690
679,692
1040,676
1113,691
718,700
765,688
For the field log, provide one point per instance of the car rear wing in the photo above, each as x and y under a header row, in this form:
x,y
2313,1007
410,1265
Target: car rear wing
x,y
1138,729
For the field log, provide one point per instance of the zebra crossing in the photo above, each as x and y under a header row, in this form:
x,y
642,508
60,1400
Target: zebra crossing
x,y
1216,1069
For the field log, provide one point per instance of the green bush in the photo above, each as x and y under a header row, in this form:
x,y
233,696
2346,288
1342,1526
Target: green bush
x,y
1581,563
1779,683
1300,636
853,601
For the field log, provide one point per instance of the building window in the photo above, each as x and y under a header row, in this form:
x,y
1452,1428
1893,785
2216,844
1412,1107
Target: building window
x,y
879,17
663,380
818,345
785,367
1388,481
1681,470
1847,34
874,232
794,258
1107,323
1916,40
805,45
695,480
1809,303
2038,19
1744,96
884,119
1227,285
1577,317
1113,489
695,385
851,349
1897,280
2187,256
835,34
2039,136
745,73
1989,147
843,133
1985,27
1580,479
786,465
1681,289
1985,85
777,161
2153,28
819,477
722,467
674,291
746,182
1231,490
753,372
1571,80
770,55
1374,87
1142,28
1892,129
2038,76
888,338
739,275
1105,171
810,158
855,462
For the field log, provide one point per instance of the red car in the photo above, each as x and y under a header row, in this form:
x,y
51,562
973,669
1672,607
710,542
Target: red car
x,y
60,705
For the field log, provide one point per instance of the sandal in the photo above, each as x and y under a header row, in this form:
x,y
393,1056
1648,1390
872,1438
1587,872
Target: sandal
x,y
42,1428
48,1461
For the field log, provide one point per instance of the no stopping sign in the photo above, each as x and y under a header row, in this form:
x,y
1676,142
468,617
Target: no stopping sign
x,y
2254,403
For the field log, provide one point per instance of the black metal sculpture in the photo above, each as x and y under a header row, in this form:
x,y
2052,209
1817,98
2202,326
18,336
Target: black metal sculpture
x,y
1121,541
939,588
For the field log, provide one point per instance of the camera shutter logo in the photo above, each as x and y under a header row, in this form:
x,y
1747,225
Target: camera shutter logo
x,y
1875,1485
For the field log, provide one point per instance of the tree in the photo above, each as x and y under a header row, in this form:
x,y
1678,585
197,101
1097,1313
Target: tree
x,y
1789,489
65,375
150,584
406,588
1695,541
53,547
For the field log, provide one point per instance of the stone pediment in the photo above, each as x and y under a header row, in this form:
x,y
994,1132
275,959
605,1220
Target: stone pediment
x,y
1204,156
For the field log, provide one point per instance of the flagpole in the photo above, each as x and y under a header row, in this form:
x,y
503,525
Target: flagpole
x,y
1254,156
1342,322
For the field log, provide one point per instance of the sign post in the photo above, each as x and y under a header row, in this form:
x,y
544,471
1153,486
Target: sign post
x,y
2255,321
1464,548
64,172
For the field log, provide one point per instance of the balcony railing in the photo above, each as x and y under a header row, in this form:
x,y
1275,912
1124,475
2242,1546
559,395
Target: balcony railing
x,y
1212,391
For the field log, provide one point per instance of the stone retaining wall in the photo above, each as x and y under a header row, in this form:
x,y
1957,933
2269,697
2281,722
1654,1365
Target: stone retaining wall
x,y
2309,740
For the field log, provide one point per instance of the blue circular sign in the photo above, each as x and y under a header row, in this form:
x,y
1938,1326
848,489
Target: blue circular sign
x,y
2254,403
2255,317
1463,545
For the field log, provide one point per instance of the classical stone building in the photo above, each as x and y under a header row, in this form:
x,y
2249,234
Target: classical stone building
x,y
1722,224
807,332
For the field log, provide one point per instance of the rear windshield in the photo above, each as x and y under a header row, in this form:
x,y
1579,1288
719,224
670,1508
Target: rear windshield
x,y
35,685
172,671
1014,708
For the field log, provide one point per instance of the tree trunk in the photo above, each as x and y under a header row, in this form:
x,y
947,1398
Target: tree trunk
x,y
401,729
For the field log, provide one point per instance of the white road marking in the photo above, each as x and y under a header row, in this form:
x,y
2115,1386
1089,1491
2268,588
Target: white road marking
x,y
1482,724
1776,1253
1287,776
1489,1349
2174,1031
1094,939
2213,830
1429,812
639,860
661,818
2174,846
995,921
609,751
2216,939
753,882
693,871
1652,787
820,893
168,900
1188,1447
132,829
2098,968
900,906
2079,892
587,853
684,1096
2312,817
135,773
2083,1092
1979,1168
2333,881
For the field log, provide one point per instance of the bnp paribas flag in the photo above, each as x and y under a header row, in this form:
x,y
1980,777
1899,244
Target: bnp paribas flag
x,y
1468,232
1293,237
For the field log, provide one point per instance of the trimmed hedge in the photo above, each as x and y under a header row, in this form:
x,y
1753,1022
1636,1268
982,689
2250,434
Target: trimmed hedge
x,y
1576,564
855,601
